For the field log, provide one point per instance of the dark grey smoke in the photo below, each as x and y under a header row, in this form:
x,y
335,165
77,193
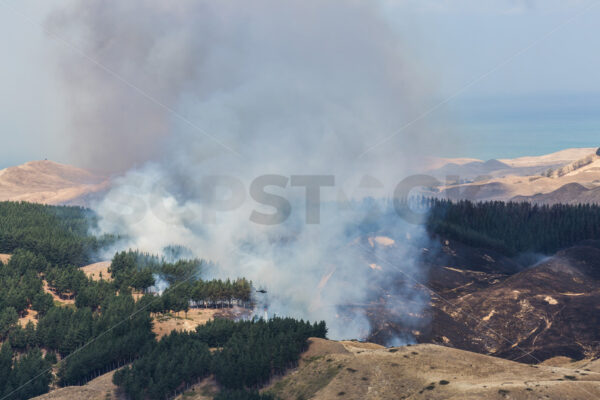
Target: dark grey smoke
x,y
193,88
293,77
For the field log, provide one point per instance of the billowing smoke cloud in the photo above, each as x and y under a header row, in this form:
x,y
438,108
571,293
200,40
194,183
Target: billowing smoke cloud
x,y
176,92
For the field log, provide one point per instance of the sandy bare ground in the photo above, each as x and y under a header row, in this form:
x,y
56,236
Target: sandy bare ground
x,y
186,322
31,316
4,258
93,271
55,297
360,371
166,323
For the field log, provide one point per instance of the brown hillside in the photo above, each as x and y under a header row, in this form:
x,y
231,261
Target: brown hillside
x,y
93,271
100,388
571,193
363,371
427,372
49,183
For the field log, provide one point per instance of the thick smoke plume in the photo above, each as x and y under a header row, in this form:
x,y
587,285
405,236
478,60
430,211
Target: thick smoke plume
x,y
174,92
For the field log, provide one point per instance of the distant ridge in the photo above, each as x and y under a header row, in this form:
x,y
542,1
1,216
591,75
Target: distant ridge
x,y
573,166
560,157
49,182
569,176
571,193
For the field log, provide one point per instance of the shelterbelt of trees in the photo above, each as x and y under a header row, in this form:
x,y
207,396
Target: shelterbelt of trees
x,y
141,271
248,355
105,328
513,228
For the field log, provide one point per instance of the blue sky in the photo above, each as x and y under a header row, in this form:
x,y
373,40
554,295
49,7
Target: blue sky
x,y
535,64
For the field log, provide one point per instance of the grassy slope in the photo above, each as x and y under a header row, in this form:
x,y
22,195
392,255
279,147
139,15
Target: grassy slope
x,y
350,370
421,372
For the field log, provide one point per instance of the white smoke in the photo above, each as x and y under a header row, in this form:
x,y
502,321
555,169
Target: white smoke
x,y
178,91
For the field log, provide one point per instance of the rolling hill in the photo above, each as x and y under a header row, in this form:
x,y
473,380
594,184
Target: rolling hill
x,y
544,179
484,302
49,182
571,193
535,178
355,370
492,326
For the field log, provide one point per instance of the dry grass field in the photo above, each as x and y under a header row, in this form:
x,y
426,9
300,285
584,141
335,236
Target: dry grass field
x,y
93,271
351,370
100,388
364,371
166,323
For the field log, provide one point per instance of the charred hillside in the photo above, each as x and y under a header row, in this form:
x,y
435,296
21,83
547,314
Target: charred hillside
x,y
546,310
485,302
513,280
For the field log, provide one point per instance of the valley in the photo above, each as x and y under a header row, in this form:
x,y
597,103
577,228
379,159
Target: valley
x,y
495,302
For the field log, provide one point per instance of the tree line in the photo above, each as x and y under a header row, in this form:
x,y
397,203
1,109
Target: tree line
x,y
513,228
180,281
247,355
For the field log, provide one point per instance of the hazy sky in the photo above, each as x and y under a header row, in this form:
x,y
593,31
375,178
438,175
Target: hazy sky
x,y
517,77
